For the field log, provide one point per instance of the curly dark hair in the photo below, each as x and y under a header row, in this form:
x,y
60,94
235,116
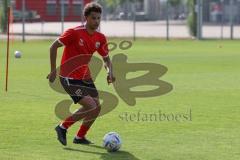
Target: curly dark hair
x,y
92,7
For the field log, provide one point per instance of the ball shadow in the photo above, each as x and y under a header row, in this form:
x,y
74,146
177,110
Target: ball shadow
x,y
119,155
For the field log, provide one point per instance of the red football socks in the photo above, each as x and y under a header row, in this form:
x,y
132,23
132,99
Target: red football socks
x,y
82,131
68,122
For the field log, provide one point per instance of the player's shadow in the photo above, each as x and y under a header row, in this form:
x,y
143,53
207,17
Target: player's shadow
x,y
119,155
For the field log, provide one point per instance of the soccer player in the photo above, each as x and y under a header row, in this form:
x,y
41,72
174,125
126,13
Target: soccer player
x,y
79,45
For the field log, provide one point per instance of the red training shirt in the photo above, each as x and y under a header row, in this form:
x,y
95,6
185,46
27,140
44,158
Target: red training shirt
x,y
78,50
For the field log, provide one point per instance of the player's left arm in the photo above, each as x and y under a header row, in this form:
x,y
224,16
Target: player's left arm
x,y
104,52
109,68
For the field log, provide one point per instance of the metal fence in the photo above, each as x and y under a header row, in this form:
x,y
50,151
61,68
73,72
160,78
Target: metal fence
x,y
221,19
129,18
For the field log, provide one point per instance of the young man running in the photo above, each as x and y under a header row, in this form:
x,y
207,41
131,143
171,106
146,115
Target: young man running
x,y
79,45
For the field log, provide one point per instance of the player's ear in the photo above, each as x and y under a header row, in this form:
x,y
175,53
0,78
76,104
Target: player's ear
x,y
84,18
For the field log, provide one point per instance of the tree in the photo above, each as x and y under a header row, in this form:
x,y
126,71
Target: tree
x,y
192,17
3,15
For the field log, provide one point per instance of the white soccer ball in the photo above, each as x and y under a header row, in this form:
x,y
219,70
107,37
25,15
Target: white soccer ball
x,y
112,142
18,54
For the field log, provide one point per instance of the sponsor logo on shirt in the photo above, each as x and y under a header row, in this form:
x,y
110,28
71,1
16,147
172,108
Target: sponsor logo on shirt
x,y
81,42
97,45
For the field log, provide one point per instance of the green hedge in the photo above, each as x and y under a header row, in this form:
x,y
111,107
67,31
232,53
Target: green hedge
x,y
3,15
192,18
1,18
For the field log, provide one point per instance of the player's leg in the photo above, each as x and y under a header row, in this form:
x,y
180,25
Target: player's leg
x,y
77,91
89,112
92,116
88,120
88,106
73,88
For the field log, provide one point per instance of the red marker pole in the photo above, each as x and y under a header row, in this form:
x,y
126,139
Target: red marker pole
x,y
8,34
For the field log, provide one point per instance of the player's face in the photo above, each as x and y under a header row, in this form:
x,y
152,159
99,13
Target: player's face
x,y
93,20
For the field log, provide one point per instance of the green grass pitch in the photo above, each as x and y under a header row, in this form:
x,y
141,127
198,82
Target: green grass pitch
x,y
205,78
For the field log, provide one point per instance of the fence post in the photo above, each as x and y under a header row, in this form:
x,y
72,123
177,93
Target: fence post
x,y
62,15
23,20
222,18
82,15
199,19
167,27
134,20
231,18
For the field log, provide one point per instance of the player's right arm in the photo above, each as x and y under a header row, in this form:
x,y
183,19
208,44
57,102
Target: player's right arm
x,y
53,57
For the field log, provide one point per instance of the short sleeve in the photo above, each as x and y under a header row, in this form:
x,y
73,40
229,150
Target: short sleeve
x,y
67,37
103,49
